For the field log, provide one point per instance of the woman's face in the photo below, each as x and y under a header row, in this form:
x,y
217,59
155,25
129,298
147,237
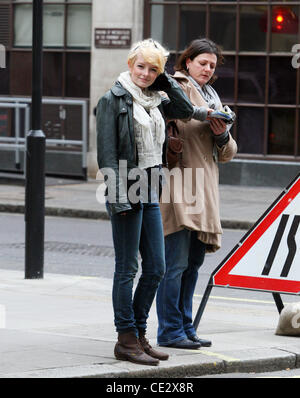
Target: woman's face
x,y
202,67
142,73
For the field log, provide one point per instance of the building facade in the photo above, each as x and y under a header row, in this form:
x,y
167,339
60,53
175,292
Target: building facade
x,y
85,48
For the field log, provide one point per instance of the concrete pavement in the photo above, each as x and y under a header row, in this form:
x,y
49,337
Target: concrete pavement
x,y
61,326
240,206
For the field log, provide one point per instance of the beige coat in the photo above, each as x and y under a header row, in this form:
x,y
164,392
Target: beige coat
x,y
201,214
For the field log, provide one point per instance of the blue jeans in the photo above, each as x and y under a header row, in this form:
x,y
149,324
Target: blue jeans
x,y
174,301
138,230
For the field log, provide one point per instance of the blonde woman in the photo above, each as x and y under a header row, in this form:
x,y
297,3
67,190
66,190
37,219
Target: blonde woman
x,y
131,137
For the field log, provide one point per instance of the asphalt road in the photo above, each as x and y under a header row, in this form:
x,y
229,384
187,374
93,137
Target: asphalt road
x,y
282,374
77,246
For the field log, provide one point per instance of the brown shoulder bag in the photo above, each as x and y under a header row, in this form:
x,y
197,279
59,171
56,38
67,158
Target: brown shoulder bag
x,y
175,145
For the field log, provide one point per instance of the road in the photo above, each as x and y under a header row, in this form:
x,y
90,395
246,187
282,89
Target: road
x,y
78,246
283,374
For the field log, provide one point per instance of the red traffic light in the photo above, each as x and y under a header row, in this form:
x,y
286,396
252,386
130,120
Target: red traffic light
x,y
279,18
284,20
279,22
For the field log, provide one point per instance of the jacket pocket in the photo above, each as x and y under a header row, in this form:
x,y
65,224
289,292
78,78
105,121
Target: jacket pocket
x,y
124,136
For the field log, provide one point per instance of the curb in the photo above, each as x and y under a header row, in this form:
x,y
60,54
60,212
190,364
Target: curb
x,y
236,224
102,215
57,211
278,360
194,367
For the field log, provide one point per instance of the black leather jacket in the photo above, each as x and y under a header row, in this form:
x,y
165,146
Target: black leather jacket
x,y
115,133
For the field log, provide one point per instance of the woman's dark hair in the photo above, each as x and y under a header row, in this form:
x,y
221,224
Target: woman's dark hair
x,y
196,47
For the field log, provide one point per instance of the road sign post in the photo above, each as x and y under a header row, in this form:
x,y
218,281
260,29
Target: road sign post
x,y
267,258
35,159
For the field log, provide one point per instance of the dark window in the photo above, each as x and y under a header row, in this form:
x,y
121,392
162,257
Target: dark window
x,y
78,75
281,131
66,35
20,80
251,83
192,24
250,130
161,25
53,74
282,81
253,28
258,79
223,26
66,62
224,85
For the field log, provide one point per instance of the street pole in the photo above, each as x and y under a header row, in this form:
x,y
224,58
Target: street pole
x,y
35,159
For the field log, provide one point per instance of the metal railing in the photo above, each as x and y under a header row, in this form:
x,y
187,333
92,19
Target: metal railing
x,y
19,143
16,142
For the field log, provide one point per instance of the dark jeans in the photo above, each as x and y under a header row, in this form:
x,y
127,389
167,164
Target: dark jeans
x,y
138,230
184,255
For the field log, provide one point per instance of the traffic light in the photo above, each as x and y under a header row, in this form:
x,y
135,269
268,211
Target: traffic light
x,y
279,20
283,20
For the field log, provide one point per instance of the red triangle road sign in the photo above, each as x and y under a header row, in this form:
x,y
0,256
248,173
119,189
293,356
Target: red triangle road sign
x,y
268,257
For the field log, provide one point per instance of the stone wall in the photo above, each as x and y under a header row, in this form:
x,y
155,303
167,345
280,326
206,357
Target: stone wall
x,y
107,64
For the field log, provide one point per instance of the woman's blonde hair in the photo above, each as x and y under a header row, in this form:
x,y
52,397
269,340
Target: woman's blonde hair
x,y
152,52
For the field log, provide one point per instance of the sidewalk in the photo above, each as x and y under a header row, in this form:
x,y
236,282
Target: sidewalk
x,y
61,326
240,206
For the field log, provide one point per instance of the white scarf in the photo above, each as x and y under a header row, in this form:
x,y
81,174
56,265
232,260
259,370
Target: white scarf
x,y
142,101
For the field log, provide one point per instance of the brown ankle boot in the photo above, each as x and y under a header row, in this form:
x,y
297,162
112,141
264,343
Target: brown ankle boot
x,y
128,349
150,351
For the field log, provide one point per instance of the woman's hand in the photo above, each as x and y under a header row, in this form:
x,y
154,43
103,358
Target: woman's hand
x,y
218,126
161,83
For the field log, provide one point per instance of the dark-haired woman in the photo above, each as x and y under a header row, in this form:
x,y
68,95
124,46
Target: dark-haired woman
x,y
189,231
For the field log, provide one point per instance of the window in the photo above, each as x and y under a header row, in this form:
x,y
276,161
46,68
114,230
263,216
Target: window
x,y
63,40
257,79
253,28
223,26
251,126
66,62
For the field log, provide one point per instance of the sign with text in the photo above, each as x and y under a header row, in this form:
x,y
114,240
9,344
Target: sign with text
x,y
112,38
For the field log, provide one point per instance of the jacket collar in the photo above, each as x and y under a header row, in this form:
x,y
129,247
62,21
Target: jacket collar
x,y
182,76
118,90
193,94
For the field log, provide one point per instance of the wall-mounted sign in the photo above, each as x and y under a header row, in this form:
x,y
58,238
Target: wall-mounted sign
x,y
112,38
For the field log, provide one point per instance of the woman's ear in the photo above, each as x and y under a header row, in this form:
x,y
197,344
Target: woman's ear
x,y
187,62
